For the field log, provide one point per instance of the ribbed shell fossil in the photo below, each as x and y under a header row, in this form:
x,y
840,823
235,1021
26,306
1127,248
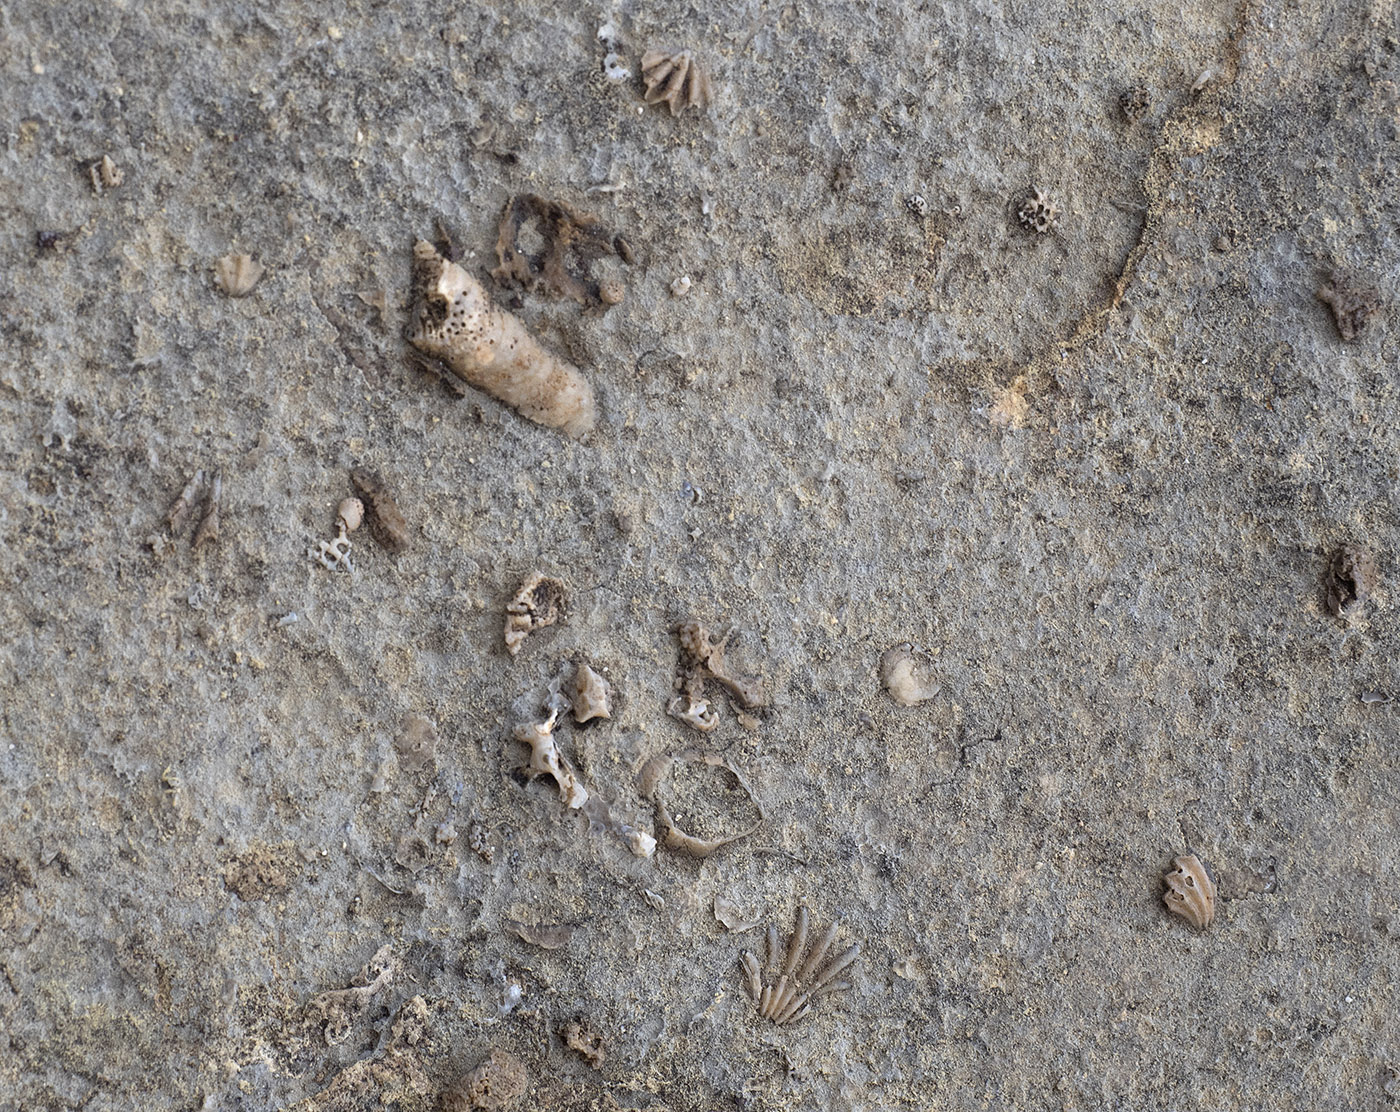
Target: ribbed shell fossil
x,y
676,80
486,347
1190,891
236,275
801,979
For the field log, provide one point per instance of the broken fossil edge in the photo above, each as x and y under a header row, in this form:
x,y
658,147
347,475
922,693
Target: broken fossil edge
x,y
672,836
455,321
546,760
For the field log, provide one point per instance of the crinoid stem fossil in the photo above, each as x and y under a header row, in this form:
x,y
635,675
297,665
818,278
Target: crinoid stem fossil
x,y
486,347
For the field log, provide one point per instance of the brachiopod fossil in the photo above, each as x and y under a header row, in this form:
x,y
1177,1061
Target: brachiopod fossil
x,y
486,347
1190,891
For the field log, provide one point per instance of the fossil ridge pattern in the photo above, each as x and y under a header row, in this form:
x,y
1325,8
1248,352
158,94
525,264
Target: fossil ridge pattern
x,y
1190,891
801,978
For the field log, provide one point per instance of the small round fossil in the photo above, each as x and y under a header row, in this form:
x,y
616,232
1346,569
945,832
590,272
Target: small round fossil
x,y
350,514
1038,212
611,291
917,204
681,286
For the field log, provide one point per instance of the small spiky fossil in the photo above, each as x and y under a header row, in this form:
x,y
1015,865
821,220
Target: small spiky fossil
x,y
676,80
801,980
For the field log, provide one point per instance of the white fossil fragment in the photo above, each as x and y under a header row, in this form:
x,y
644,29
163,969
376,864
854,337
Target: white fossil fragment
x,y
540,602
488,348
905,674
105,174
236,275
546,760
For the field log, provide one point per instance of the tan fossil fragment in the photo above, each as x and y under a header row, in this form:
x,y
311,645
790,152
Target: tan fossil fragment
x,y
702,659
590,695
649,782
236,275
454,321
540,602
1190,891
785,988
676,80
546,760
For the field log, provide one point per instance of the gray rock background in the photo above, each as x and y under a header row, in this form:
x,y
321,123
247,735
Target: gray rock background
x,y
1097,474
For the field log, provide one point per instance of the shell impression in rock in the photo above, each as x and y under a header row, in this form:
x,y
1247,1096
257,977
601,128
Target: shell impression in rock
x,y
454,321
1190,891
676,80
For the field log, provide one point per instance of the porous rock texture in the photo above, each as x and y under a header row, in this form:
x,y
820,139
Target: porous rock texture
x,y
1097,475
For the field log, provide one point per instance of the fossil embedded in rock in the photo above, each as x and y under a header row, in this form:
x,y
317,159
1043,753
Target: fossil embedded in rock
x,y
546,760
236,275
488,348
572,242
590,695
1038,212
105,174
785,988
540,602
649,782
1352,305
1349,579
702,659
498,1083
676,80
1190,891
907,676
386,521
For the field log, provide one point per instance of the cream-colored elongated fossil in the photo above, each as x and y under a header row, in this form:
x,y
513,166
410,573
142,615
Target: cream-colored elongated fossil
x,y
454,321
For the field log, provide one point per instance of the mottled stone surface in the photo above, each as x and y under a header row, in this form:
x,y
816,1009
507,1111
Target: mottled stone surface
x,y
1096,475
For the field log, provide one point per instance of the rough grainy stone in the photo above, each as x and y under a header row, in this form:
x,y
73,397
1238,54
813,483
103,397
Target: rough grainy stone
x,y
1096,475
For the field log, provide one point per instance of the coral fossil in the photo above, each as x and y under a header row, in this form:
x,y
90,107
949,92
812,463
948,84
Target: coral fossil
x,y
1038,212
488,348
791,996
1190,891
676,80
539,602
